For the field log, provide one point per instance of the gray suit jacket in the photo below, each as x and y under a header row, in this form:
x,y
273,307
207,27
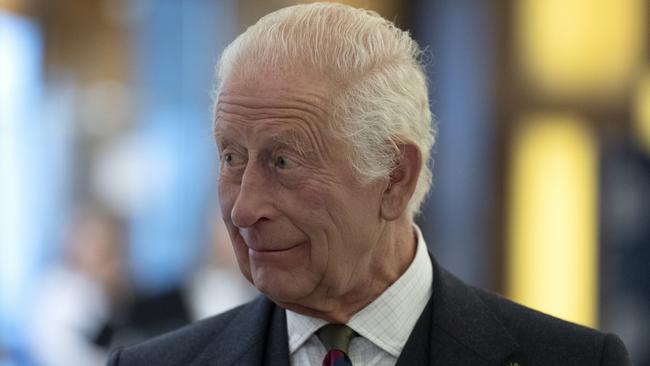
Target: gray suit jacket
x,y
461,325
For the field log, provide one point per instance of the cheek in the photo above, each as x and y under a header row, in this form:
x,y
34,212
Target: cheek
x,y
323,222
227,196
324,208
312,195
348,221
241,253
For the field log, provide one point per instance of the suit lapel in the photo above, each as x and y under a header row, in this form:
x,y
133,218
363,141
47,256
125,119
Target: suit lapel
x,y
463,330
456,328
417,348
277,340
257,335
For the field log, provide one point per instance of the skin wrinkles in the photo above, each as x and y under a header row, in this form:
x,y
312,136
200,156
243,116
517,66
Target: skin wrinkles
x,y
308,174
323,291
308,102
293,140
305,231
352,300
304,107
311,104
297,132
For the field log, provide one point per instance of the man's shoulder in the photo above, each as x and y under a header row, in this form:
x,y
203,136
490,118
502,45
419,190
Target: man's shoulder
x,y
544,337
182,345
496,328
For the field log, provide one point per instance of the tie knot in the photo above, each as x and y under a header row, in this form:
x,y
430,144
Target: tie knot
x,y
336,336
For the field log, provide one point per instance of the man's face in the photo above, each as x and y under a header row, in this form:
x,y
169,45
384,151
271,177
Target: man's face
x,y
303,228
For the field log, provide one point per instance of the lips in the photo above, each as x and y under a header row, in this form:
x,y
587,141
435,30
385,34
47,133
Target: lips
x,y
267,242
273,250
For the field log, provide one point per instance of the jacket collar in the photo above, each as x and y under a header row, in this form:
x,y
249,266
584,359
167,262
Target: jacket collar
x,y
256,335
455,328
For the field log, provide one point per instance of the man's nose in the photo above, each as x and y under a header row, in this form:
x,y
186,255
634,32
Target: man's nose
x,y
253,202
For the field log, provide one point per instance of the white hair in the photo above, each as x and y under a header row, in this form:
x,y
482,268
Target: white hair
x,y
382,101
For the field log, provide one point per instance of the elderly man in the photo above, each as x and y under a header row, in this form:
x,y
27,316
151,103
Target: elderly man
x,y
324,131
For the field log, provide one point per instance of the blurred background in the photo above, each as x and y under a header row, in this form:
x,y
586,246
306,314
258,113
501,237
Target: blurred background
x,y
109,228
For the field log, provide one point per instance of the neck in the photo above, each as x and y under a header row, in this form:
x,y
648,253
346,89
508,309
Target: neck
x,y
389,259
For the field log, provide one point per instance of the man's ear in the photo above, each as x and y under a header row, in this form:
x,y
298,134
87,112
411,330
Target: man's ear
x,y
402,181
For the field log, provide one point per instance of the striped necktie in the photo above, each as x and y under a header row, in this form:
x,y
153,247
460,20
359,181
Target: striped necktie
x,y
336,338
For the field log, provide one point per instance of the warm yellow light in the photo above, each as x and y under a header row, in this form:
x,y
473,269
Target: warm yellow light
x,y
642,113
570,48
14,6
552,263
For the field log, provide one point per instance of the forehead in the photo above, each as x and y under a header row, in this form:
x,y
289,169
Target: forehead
x,y
289,106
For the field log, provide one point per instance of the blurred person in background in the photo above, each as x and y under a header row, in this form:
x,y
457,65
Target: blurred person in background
x,y
77,296
324,132
213,287
217,285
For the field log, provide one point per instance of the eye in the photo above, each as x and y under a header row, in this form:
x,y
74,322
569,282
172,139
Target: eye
x,y
281,162
284,162
230,158
227,158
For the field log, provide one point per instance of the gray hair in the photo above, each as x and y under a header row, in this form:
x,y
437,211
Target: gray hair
x,y
383,100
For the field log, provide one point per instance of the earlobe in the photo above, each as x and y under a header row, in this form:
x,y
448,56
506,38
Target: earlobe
x,y
403,179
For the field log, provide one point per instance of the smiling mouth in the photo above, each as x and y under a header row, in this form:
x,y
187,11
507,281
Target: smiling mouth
x,y
276,250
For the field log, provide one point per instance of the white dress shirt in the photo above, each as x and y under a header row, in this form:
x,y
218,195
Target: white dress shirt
x,y
383,326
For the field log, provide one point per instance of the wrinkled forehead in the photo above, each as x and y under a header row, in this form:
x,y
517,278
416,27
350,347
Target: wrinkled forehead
x,y
285,108
262,94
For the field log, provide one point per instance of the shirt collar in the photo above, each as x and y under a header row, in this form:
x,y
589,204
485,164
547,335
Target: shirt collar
x,y
389,319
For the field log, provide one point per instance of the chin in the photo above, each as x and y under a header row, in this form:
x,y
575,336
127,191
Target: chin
x,y
280,286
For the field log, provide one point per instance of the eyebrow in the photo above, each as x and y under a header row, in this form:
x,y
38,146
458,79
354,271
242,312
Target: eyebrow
x,y
293,140
289,138
218,133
